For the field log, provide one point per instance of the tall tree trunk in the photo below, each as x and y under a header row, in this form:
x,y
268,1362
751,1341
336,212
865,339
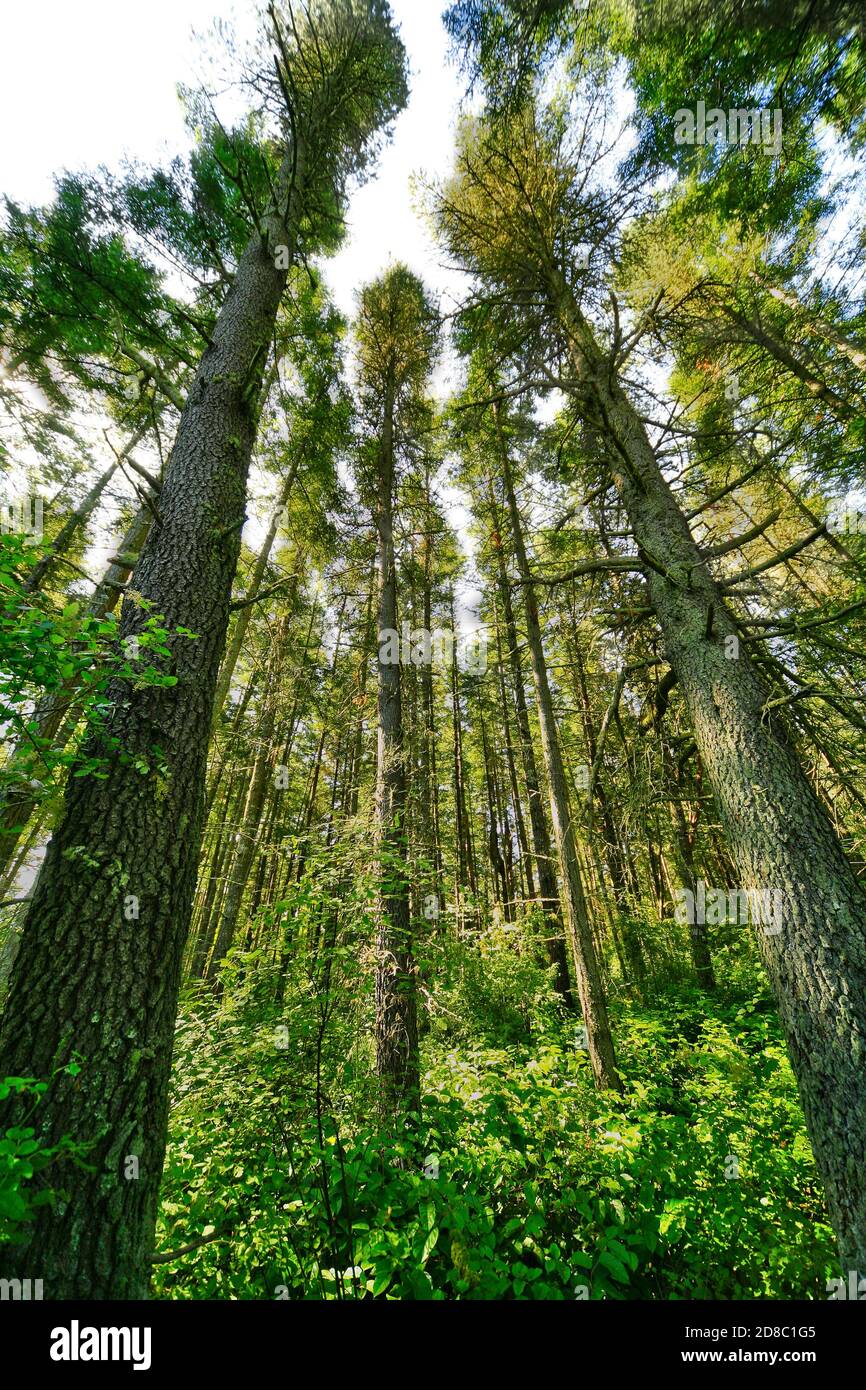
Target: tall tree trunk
x,y
625,906
100,961
779,835
82,513
250,826
428,710
501,890
511,763
356,757
202,934
685,862
235,646
396,1008
587,973
814,384
850,349
466,876
554,936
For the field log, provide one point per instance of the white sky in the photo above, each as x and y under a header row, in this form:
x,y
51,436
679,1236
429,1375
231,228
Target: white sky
x,y
83,82
87,82
91,82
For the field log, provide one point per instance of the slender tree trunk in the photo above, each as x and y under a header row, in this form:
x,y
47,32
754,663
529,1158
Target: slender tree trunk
x,y
17,863
501,890
82,513
202,934
356,756
685,862
554,936
235,646
625,922
783,355
847,346
519,817
428,710
586,967
250,826
466,875
396,1009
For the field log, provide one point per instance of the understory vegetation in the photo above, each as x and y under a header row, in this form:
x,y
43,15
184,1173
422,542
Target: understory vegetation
x,y
432,815
522,1181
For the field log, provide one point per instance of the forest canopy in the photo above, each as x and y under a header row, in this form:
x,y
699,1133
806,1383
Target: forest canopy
x,y
432,819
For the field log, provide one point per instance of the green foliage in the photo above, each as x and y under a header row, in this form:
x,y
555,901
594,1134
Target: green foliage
x,y
494,990
74,291
51,650
522,1181
288,1172
22,1158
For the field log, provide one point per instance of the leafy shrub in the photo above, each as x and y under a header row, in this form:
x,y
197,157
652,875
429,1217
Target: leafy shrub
x,y
22,1158
522,1182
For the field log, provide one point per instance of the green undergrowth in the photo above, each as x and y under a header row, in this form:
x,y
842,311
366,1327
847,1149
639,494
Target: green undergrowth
x,y
522,1182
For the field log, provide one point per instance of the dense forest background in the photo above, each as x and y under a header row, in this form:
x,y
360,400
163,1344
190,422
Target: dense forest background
x,y
431,789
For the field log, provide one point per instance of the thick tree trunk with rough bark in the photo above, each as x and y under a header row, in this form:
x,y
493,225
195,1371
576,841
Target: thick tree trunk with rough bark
x,y
780,838
99,968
